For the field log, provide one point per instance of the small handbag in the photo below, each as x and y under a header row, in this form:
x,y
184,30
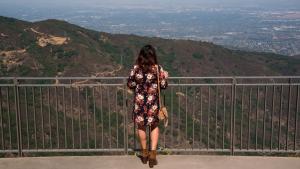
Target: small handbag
x,y
162,113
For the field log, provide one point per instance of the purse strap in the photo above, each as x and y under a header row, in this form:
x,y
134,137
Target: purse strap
x,y
158,85
158,73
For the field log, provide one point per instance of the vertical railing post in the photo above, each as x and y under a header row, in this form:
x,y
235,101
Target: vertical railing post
x,y
125,118
232,118
288,115
18,119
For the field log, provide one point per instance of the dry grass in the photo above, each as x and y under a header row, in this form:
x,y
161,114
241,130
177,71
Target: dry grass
x,y
12,58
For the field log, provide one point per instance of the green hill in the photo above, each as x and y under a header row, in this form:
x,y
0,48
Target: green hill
x,y
54,47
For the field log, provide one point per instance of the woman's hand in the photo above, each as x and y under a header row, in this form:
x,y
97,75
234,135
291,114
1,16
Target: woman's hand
x,y
163,74
163,78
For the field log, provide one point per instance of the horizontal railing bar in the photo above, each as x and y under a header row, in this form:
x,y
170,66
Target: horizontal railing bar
x,y
70,85
195,149
237,77
202,77
9,151
268,84
55,78
174,77
101,78
118,149
171,84
73,150
117,84
267,150
228,150
7,85
200,84
264,77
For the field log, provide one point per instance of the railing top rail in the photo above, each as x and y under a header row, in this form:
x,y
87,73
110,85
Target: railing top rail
x,y
174,77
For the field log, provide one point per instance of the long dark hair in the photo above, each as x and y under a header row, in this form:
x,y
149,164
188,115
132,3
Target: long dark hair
x,y
147,58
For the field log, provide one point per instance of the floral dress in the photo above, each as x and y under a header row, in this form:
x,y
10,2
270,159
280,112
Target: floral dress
x,y
146,103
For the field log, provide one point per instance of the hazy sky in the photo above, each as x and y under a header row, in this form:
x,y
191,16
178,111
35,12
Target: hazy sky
x,y
163,3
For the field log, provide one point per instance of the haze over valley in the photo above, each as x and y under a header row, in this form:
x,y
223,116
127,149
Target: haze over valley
x,y
268,26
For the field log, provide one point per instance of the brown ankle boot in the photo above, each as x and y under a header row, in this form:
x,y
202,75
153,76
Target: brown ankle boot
x,y
144,155
152,158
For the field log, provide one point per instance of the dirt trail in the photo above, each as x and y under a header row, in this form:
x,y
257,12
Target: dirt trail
x,y
106,73
45,39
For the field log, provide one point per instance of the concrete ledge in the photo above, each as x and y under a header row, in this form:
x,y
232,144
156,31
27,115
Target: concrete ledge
x,y
164,162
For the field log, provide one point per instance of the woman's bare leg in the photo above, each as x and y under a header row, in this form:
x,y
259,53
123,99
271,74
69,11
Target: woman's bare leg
x,y
142,136
154,137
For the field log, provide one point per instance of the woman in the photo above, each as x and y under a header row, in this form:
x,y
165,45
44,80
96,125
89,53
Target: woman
x,y
143,80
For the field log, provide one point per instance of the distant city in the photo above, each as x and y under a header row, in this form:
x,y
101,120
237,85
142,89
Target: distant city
x,y
252,29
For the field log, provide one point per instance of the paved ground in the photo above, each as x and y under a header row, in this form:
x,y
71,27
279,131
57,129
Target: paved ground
x,y
164,162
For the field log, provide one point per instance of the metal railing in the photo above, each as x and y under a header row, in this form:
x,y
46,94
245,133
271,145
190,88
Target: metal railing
x,y
206,114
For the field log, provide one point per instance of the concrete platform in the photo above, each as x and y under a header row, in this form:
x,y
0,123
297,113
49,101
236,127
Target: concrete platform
x,y
164,162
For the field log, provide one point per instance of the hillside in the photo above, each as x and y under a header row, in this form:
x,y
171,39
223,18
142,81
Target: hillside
x,y
58,48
